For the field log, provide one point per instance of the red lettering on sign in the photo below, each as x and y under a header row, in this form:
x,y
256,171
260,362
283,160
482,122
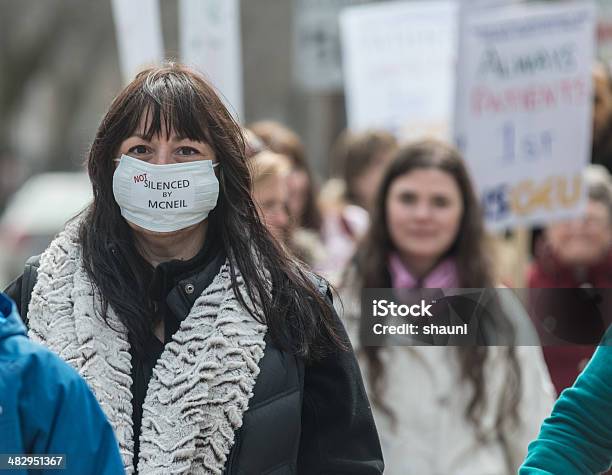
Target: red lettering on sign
x,y
489,101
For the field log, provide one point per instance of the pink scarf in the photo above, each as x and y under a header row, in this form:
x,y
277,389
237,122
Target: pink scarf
x,y
443,276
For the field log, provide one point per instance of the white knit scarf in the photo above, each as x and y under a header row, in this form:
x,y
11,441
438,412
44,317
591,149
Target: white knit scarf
x,y
201,384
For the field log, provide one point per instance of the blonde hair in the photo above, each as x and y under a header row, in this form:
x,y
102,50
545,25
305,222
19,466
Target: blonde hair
x,y
280,139
266,165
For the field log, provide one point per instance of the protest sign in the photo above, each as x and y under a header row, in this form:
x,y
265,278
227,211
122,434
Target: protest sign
x,y
399,66
210,41
523,114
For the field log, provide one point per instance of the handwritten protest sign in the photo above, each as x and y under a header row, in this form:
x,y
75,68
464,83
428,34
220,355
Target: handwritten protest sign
x,y
523,117
399,66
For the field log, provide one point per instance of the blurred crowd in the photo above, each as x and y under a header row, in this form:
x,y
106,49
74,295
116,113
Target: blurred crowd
x,y
406,216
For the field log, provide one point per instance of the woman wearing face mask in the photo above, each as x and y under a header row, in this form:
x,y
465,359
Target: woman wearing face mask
x,y
452,410
209,349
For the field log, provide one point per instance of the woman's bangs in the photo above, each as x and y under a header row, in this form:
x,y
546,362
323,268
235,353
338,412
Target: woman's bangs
x,y
169,110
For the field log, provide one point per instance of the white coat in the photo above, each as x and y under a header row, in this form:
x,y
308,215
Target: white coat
x,y
431,435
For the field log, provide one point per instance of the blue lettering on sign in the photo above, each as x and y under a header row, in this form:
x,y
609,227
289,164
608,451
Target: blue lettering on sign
x,y
495,203
528,147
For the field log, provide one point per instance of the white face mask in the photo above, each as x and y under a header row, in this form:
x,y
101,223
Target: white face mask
x,y
165,198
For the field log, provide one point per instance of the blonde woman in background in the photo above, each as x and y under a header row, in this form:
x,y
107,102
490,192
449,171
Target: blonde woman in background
x,y
302,188
271,193
302,206
271,178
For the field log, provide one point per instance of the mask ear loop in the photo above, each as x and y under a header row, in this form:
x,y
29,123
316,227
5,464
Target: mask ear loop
x,y
221,178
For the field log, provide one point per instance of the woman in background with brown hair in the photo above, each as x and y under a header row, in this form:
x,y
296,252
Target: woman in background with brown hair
x,y
359,161
452,410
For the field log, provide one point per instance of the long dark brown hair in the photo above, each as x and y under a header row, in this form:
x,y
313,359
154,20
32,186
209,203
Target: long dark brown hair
x,y
470,252
176,98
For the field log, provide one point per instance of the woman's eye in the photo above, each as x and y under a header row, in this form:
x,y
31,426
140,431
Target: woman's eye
x,y
440,202
187,151
408,198
139,149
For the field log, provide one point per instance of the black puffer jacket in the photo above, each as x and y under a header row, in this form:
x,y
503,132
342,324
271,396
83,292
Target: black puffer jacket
x,y
302,419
